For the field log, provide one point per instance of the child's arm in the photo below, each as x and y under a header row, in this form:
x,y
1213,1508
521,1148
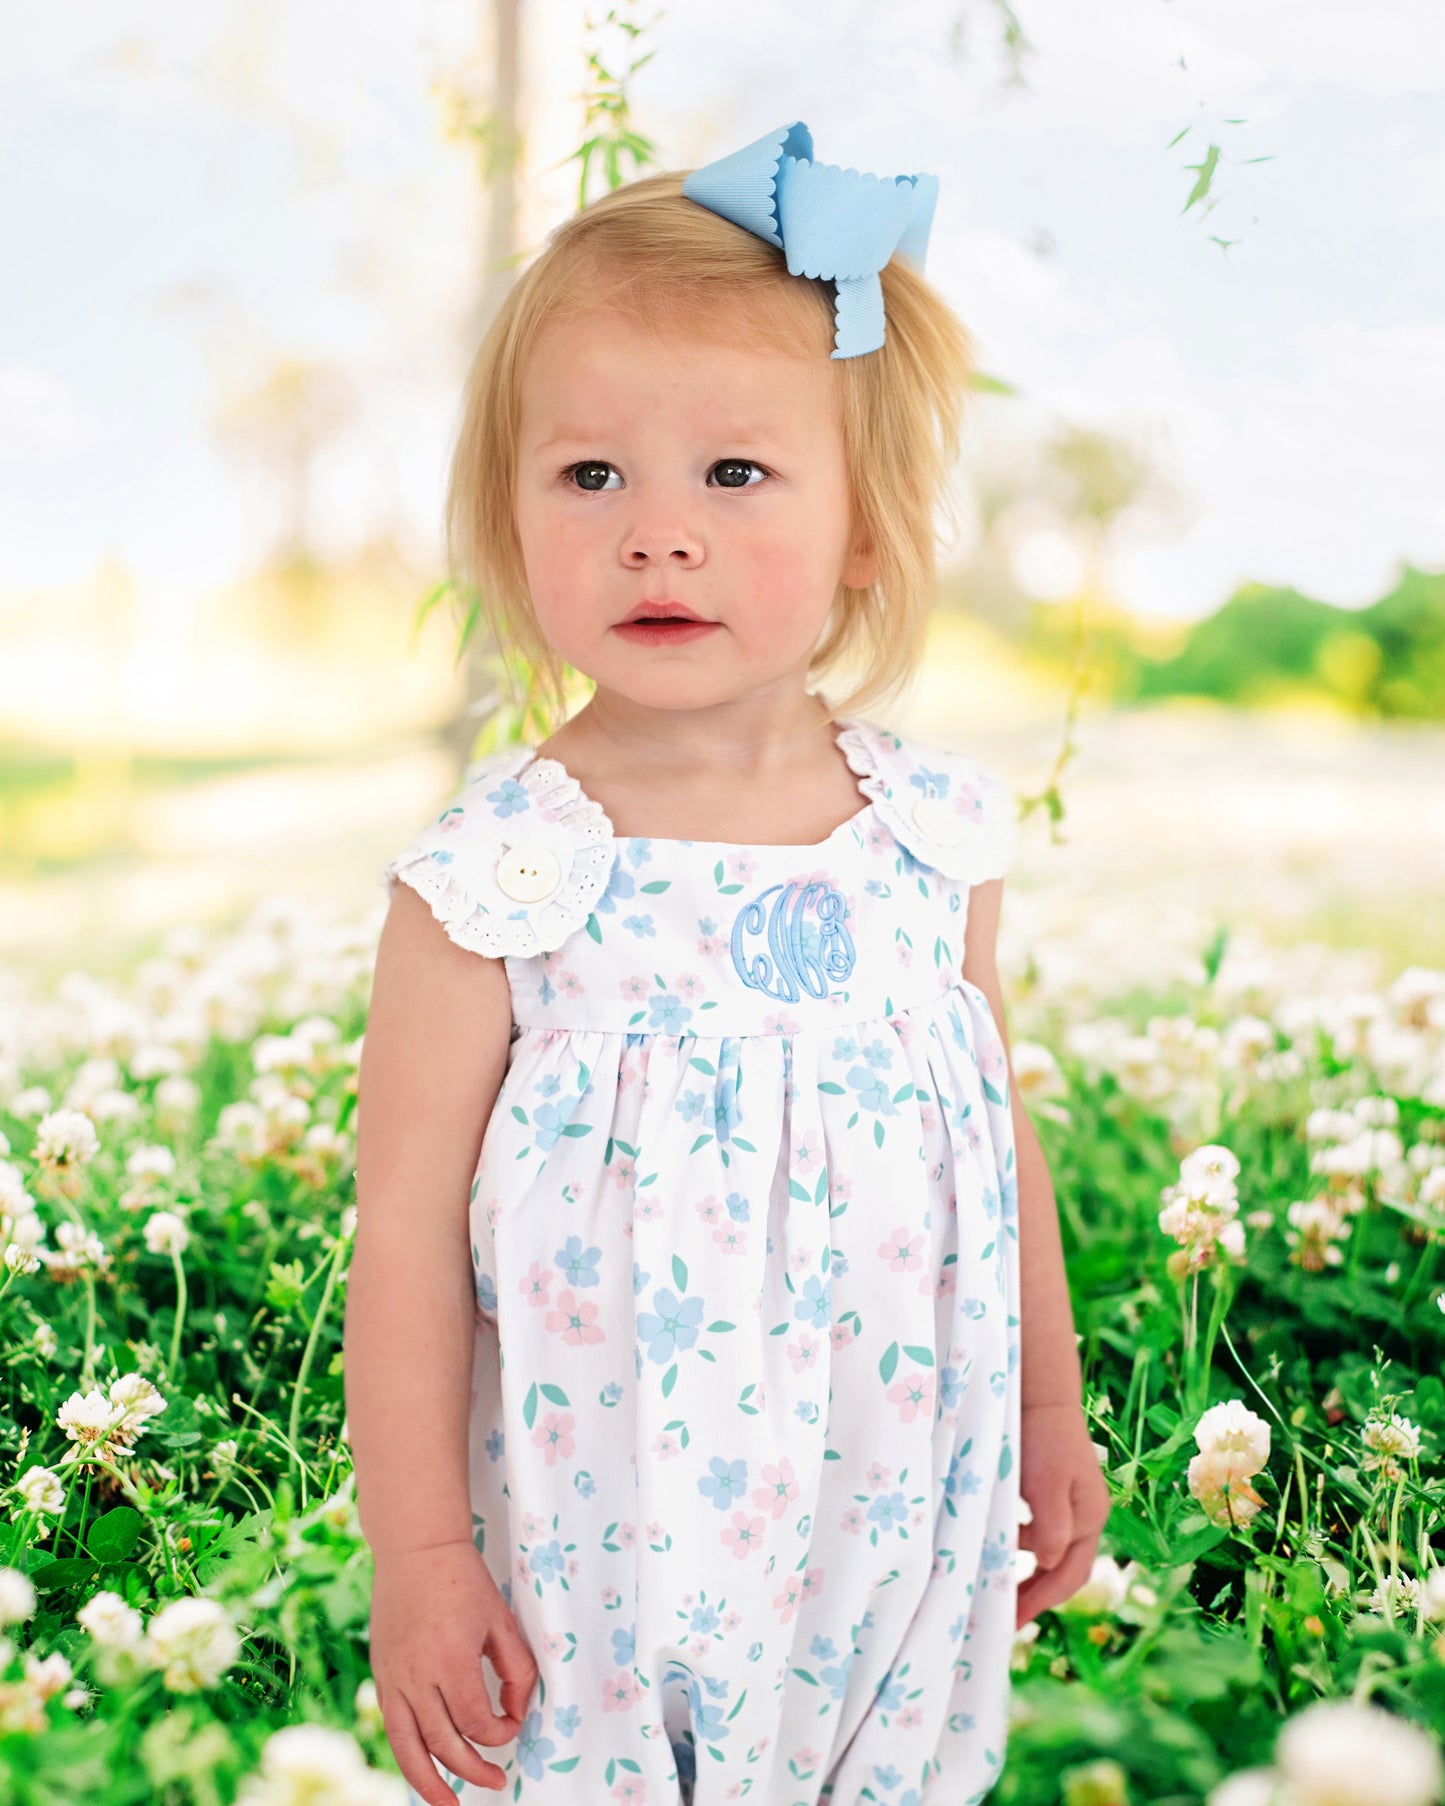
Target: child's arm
x,y
1059,1471
432,1061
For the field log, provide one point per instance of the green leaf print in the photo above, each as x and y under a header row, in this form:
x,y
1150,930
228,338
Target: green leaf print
x,y
993,1096
679,1272
519,1113
669,1380
703,1065
594,929
556,1395
886,1366
716,1329
923,1356
529,1410
798,1191
828,1085
657,884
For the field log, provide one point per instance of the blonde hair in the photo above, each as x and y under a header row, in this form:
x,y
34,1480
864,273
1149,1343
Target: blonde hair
x,y
649,252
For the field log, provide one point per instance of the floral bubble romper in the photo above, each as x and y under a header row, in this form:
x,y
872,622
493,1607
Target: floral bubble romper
x,y
745,1408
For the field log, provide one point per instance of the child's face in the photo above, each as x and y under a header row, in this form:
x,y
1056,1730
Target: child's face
x,y
714,478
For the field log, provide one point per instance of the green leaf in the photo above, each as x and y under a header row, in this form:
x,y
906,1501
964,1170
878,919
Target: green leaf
x,y
115,1535
529,1409
594,929
657,884
679,1272
889,1362
915,1352
556,1395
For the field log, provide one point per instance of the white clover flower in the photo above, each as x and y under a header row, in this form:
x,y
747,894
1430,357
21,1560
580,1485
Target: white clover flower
x,y
152,1059
21,1260
111,1621
15,1201
48,1676
1375,1112
65,1138
1104,1591
151,1161
1395,1436
193,1642
1250,1787
17,1596
177,1097
88,1420
166,1233
46,1341
1335,1753
1232,1426
41,1489
1212,1163
1432,1593
310,1762
33,1101
1329,1125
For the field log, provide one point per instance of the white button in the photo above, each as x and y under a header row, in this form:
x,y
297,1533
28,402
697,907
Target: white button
x,y
529,871
939,820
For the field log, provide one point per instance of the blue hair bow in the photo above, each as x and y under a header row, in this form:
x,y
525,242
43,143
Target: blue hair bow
x,y
832,223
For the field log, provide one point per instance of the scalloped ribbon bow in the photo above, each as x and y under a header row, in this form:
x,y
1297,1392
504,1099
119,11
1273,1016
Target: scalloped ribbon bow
x,y
836,224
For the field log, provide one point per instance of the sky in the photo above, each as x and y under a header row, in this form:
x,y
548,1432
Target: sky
x,y
194,192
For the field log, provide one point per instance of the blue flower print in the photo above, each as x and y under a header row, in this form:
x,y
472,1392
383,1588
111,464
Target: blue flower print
x,y
822,1647
706,925
620,887
931,783
639,851
889,1511
580,1268
509,798
813,1307
738,1207
873,1093
962,1482
672,1324
691,1105
835,1679
641,926
495,1445
845,1048
639,1278
548,1086
548,1563
624,1646
889,1698
887,1778
950,1387
707,1721
703,1622
487,1294
668,1012
726,1484
533,1748
552,1121
568,1718
878,1056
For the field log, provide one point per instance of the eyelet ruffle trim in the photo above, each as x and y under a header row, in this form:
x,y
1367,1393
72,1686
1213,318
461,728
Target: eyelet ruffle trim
x,y
896,774
509,799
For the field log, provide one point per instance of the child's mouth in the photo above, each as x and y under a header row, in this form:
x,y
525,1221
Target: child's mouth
x,y
663,630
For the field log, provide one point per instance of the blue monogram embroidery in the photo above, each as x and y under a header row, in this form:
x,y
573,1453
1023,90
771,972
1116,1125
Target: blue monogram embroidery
x,y
805,956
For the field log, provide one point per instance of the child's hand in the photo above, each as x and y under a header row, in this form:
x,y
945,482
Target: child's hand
x,y
1069,1497
433,1612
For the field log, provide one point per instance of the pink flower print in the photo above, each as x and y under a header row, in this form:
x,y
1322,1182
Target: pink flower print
x,y
666,1446
912,1396
925,1285
992,1064
902,1251
623,1170
655,1532
634,989
573,1567
840,1190
802,1258
902,1026
710,945
569,984
807,1152
877,837
631,1790
741,866
707,1208
619,1692
534,1283
852,1521
973,1134
627,1535
787,1601
610,1596
532,1527
840,1334
553,1643
688,984
780,1024
576,1322
732,1620
916,1517
947,1283
813,1582
554,1436
779,1489
745,1535
647,1207
928,1117
805,1761
879,1476
494,1210
803,1354
908,1717
731,1238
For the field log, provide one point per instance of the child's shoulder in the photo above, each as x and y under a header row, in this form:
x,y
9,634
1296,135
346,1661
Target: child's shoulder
x,y
950,810
515,862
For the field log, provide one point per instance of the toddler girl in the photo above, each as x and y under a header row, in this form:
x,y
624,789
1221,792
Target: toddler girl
x,y
683,1349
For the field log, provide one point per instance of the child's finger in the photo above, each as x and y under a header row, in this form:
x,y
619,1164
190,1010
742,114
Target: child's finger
x,y
466,1699
515,1667
413,1758
450,1747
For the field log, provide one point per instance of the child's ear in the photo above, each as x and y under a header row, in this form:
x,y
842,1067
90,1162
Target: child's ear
x,y
861,568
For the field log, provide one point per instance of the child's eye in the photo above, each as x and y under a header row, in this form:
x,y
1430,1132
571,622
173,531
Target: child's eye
x,y
590,469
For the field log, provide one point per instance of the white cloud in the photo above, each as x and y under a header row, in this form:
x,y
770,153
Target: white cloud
x,y
40,416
